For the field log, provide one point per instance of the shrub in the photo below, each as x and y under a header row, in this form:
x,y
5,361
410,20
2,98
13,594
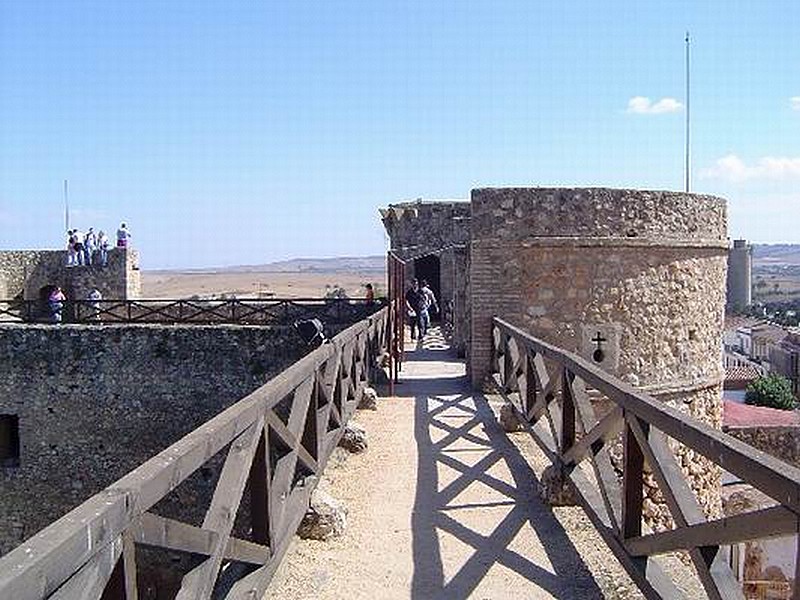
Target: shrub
x,y
336,293
773,391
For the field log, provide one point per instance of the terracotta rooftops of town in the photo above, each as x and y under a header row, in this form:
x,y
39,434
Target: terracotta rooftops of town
x,y
737,378
737,321
744,415
766,331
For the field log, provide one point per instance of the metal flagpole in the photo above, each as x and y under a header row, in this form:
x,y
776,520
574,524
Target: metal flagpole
x,y
687,114
66,206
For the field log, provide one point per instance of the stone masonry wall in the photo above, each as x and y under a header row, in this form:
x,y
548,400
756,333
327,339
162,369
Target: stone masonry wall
x,y
24,272
780,442
644,271
441,228
93,402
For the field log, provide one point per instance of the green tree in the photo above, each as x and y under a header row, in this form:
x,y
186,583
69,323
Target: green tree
x,y
773,391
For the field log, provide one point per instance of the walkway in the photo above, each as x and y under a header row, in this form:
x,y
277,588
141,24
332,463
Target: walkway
x,y
443,506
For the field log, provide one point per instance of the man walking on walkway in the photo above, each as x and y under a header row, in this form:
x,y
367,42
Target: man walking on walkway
x,y
414,303
429,301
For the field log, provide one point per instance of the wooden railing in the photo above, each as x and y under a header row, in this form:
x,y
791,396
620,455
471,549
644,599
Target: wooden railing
x,y
279,439
237,311
549,387
396,271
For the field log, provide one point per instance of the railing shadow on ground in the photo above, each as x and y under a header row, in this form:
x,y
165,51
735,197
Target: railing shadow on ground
x,y
457,434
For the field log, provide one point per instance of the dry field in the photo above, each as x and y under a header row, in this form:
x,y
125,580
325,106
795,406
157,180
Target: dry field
x,y
254,284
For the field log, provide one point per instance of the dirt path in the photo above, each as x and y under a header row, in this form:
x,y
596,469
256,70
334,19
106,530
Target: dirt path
x,y
443,506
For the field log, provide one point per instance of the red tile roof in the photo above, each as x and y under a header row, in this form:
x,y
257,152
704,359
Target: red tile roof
x,y
741,373
744,415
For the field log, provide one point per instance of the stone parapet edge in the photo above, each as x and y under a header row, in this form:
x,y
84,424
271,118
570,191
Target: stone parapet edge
x,y
603,242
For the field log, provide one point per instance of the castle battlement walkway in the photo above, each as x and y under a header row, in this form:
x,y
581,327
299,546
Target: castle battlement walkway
x,y
444,505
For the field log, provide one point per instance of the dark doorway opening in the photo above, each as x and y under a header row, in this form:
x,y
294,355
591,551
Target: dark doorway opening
x,y
428,268
9,441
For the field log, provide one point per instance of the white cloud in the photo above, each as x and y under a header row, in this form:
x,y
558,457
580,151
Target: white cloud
x,y
734,169
641,105
795,102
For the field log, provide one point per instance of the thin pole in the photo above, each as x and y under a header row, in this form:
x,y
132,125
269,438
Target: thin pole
x,y
66,206
687,114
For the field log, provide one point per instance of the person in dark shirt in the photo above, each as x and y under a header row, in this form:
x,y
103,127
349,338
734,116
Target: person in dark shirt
x,y
415,301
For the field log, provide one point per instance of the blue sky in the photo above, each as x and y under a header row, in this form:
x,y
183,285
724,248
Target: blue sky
x,y
241,132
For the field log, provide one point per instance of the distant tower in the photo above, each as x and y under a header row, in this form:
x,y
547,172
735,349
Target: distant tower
x,y
740,266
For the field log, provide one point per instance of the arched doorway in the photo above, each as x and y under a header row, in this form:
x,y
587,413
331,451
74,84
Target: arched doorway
x,y
429,268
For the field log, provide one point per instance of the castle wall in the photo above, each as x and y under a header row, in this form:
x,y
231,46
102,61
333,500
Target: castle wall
x,y
24,272
93,402
644,270
440,228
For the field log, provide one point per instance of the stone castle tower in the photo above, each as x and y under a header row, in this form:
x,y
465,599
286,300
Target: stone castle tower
x,y
641,271
739,283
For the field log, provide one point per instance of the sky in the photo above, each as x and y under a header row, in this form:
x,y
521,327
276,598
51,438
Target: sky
x,y
243,132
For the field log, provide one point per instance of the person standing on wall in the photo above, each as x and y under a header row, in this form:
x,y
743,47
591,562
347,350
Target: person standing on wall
x,y
55,304
429,301
94,297
102,247
414,303
89,245
71,258
123,235
77,244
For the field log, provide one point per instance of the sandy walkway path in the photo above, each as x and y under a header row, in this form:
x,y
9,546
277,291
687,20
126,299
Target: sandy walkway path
x,y
443,506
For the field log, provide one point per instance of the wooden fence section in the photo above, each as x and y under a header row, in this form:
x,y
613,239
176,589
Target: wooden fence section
x,y
548,387
279,439
396,270
236,311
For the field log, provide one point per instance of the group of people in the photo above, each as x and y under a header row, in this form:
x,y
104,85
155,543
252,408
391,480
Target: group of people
x,y
56,300
90,248
420,300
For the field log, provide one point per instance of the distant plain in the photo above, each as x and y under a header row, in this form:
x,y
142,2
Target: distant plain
x,y
298,278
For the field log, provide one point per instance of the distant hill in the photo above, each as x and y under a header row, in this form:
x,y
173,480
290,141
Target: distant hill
x,y
788,254
343,264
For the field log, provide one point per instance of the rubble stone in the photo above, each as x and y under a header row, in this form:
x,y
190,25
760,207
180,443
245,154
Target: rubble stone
x,y
326,518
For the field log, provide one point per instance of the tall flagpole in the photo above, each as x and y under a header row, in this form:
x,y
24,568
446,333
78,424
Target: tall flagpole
x,y
686,168
66,207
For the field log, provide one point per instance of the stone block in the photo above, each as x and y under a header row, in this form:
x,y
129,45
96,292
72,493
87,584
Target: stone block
x,y
354,438
326,518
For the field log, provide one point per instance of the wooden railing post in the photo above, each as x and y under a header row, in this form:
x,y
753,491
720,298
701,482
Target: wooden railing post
x,y
529,398
259,492
567,411
508,364
632,482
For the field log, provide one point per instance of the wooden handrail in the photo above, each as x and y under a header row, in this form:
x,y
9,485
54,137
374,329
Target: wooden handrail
x,y
519,371
241,311
85,548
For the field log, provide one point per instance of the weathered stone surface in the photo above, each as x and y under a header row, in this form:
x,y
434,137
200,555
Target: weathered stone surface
x,y
93,402
646,269
509,419
555,489
354,438
781,442
24,272
326,518
439,229
369,399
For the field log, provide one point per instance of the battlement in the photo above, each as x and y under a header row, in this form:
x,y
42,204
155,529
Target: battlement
x,y
25,273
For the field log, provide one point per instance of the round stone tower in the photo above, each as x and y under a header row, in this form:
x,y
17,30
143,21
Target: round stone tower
x,y
740,268
637,275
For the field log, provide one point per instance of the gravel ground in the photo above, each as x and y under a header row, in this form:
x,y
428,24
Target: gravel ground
x,y
443,505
